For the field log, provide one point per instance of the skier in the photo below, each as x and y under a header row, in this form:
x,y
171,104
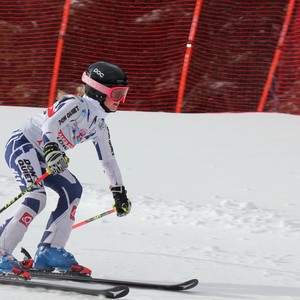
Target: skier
x,y
39,146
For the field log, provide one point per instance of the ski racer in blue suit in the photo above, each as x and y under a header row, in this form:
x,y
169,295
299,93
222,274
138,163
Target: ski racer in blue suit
x,y
41,144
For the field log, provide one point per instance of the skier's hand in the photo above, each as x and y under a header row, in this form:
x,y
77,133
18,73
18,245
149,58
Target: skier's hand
x,y
122,203
56,160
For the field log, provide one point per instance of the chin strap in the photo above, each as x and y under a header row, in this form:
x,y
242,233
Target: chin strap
x,y
104,107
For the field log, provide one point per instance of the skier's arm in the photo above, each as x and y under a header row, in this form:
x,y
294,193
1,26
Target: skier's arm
x,y
65,111
110,166
107,158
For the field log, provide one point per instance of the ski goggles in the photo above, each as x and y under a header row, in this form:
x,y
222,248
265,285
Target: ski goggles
x,y
115,94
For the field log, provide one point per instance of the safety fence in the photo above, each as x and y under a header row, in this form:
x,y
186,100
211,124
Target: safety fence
x,y
191,56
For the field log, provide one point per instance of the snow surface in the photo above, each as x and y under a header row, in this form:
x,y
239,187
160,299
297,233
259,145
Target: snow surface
x,y
215,197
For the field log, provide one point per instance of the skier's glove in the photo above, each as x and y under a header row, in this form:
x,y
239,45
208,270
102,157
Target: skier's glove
x,y
56,160
122,203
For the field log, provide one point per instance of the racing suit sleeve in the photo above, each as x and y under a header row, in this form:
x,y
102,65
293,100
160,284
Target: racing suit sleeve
x,y
107,158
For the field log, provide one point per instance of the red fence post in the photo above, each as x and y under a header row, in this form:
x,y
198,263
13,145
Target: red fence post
x,y
277,54
60,43
187,57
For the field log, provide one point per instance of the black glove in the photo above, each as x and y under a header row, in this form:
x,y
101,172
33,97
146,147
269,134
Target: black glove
x,y
122,203
56,160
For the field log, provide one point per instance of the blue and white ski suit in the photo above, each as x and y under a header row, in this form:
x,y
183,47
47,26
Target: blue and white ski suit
x,y
73,120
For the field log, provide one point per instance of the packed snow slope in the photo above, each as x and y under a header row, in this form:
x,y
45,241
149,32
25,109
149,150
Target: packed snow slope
x,y
215,197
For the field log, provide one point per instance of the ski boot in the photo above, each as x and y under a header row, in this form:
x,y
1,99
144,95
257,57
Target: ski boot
x,y
10,265
48,258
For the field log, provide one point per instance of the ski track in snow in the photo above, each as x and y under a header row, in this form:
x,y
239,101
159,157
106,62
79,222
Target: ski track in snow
x,y
239,236
213,222
226,213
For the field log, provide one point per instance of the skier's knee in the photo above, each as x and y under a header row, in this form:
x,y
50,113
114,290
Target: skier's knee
x,y
72,191
36,200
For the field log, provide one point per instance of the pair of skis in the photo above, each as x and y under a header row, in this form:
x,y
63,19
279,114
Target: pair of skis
x,y
120,288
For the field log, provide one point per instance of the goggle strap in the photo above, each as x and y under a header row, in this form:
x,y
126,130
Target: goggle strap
x,y
94,84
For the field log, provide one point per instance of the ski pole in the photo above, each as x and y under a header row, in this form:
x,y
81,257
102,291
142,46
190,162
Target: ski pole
x,y
26,190
93,218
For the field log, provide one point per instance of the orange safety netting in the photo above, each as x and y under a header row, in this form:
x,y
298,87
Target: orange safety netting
x,y
230,60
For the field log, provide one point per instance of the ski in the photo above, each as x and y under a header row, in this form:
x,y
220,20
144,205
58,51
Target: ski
x,y
77,276
112,292
74,276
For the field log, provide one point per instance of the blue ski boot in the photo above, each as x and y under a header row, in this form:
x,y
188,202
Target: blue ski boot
x,y
9,264
48,258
